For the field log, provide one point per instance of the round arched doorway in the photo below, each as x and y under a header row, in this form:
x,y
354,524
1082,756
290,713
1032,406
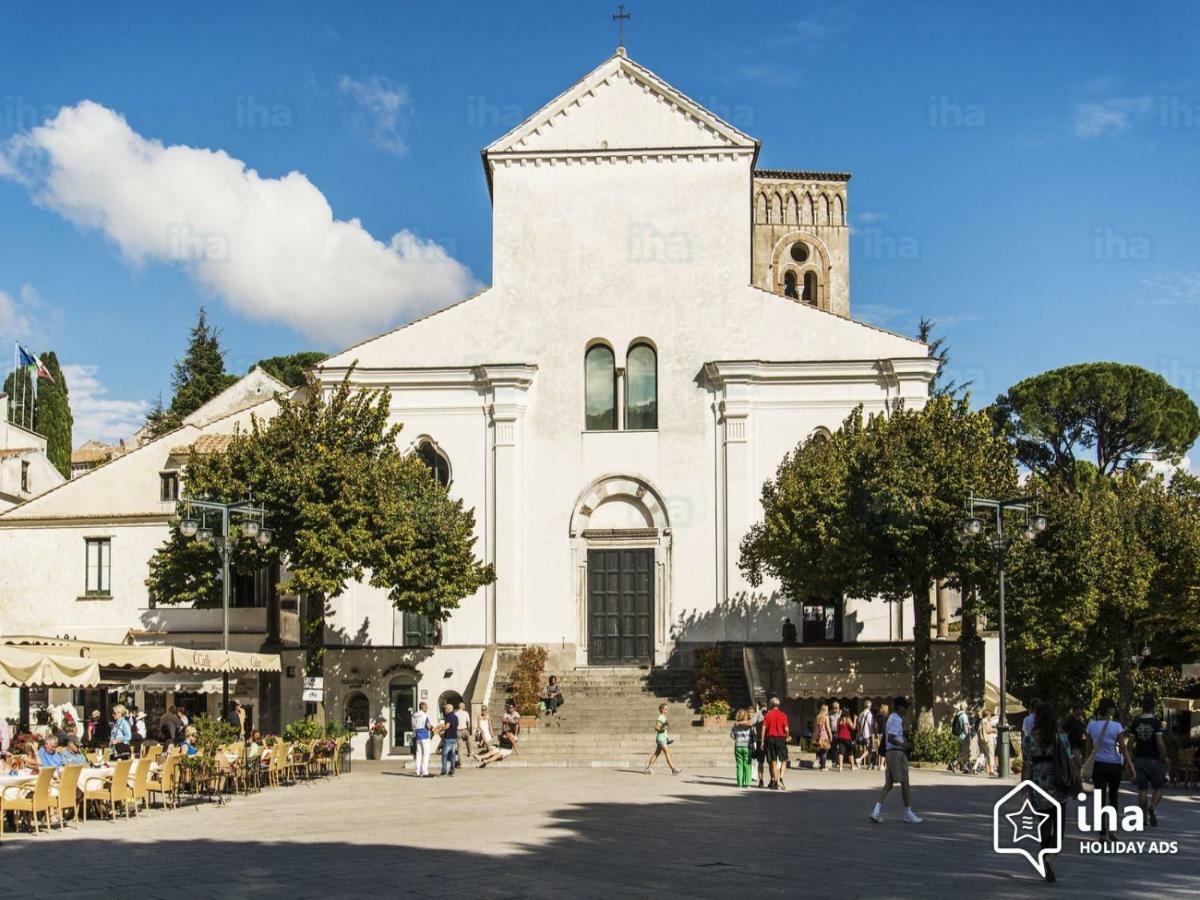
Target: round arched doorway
x,y
402,700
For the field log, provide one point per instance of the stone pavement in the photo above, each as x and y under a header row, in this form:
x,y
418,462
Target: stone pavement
x,y
577,833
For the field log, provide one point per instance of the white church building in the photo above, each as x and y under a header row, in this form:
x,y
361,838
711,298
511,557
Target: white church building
x,y
664,323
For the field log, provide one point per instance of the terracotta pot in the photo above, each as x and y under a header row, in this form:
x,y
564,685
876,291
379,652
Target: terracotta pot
x,y
528,722
715,721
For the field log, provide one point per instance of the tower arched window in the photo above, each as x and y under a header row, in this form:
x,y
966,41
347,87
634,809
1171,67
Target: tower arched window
x,y
789,285
600,389
811,286
439,465
641,387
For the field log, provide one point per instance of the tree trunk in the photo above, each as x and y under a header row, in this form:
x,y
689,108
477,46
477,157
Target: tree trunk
x,y
971,656
922,670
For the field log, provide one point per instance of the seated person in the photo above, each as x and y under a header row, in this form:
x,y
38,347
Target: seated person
x,y
48,755
255,746
508,746
72,754
189,740
552,696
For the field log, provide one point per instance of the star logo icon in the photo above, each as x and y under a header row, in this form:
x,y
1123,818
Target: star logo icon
x,y
1027,823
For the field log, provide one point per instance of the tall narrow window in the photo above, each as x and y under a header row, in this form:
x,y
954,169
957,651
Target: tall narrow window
x,y
168,486
641,387
789,286
24,477
439,465
418,630
98,563
810,288
600,377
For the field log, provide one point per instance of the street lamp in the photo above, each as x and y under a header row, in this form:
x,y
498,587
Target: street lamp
x,y
252,519
1000,543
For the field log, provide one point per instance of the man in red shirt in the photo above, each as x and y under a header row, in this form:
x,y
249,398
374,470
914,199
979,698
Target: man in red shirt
x,y
775,736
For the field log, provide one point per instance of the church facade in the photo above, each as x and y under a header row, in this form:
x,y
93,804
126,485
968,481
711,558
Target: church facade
x,y
664,324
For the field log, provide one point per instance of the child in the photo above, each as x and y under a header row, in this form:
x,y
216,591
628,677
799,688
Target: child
x,y
744,741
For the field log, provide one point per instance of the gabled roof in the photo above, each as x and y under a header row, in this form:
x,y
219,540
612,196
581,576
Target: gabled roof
x,y
250,390
684,124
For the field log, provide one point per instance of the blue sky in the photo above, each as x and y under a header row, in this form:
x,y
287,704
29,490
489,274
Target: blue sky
x,y
1026,174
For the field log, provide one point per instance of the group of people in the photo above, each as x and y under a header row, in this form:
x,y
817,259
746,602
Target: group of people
x,y
454,731
761,737
841,738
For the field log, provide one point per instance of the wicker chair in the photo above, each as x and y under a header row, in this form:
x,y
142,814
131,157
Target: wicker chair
x,y
66,795
139,783
113,790
166,784
35,800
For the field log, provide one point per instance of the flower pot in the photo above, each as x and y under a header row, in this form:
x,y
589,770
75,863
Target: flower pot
x,y
715,721
528,722
375,746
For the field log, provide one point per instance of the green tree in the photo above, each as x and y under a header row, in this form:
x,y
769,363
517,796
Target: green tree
x,y
197,378
291,369
344,505
1121,413
51,412
939,350
875,510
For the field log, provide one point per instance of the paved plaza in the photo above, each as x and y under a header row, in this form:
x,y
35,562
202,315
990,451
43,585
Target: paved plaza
x,y
581,833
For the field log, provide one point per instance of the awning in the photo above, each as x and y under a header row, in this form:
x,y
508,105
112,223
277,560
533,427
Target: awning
x,y
153,657
193,682
991,696
25,667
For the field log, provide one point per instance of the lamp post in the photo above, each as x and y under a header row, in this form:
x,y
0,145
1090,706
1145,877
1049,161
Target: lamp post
x,y
253,520
1000,543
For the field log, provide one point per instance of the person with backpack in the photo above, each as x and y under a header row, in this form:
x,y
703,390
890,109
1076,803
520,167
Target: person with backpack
x,y
1046,761
1150,761
961,728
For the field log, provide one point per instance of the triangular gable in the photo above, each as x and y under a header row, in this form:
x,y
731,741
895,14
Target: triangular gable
x,y
620,105
251,389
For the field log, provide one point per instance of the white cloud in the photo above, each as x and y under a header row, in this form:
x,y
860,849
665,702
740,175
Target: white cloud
x,y
97,417
1109,117
269,246
381,110
1182,288
19,318
1159,467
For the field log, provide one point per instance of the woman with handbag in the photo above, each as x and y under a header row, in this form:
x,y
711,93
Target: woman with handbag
x,y
822,735
1105,763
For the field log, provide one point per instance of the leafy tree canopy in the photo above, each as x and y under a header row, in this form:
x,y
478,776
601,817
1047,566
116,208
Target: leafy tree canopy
x,y
1121,413
343,505
875,511
291,369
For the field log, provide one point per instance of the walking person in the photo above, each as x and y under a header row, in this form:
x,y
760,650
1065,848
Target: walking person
x,y
961,728
662,742
1150,762
422,727
744,737
864,729
121,735
897,748
1073,728
987,740
845,741
760,752
449,733
1037,765
775,736
464,728
1108,764
822,738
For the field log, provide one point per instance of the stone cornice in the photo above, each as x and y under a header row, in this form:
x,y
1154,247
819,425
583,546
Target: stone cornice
x,y
729,372
84,520
478,377
612,157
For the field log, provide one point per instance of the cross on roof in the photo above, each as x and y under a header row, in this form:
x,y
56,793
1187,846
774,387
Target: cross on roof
x,y
620,16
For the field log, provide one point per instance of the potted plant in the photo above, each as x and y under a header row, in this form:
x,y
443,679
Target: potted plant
x,y
715,713
527,683
378,732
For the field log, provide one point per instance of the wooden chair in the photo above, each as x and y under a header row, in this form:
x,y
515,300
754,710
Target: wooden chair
x,y
114,789
66,795
166,784
139,783
35,799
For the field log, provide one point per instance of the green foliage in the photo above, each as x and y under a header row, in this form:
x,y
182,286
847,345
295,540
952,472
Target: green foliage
x,y
197,378
335,729
937,745
51,412
303,730
710,680
718,707
1120,412
344,505
875,511
939,350
214,733
527,679
293,368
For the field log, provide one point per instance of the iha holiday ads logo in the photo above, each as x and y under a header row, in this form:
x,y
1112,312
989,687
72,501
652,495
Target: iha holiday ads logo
x,y
1028,821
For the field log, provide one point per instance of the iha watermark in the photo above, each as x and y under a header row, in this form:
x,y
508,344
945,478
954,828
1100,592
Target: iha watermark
x,y
1028,821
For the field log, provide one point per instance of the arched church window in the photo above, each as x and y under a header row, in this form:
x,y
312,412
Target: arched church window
x,y
439,464
789,286
600,389
810,288
641,387
358,711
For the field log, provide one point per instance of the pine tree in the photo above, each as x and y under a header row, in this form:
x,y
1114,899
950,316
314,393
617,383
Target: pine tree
x,y
197,378
52,415
51,412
